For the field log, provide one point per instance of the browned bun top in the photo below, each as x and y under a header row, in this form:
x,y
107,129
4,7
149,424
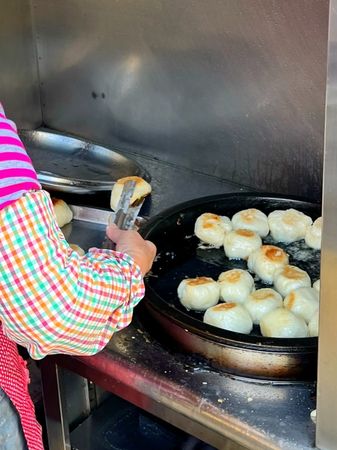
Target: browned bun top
x,y
275,254
124,180
248,215
232,277
224,306
211,220
57,201
292,272
262,294
209,216
245,233
198,281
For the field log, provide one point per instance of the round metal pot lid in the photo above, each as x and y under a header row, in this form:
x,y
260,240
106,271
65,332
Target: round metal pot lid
x,y
69,164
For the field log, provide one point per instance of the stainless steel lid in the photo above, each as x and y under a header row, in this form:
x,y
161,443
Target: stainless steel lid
x,y
69,164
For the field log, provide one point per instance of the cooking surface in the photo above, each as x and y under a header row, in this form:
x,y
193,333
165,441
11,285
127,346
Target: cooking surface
x,y
180,255
211,262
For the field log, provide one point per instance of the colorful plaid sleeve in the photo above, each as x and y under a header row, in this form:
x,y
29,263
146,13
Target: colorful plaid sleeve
x,y
53,300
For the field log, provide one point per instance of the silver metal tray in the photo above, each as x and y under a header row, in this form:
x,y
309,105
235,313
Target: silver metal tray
x,y
69,164
87,229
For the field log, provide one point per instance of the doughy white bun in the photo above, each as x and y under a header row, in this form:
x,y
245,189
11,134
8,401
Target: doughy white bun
x,y
77,249
261,302
282,323
266,260
62,212
313,236
303,302
198,293
314,324
235,285
142,189
229,316
239,244
317,285
288,278
211,228
251,219
288,225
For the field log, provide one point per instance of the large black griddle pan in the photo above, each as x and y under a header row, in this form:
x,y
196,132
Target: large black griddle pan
x,y
179,256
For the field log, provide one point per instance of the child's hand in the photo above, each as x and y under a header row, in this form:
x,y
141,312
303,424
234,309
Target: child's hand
x,y
130,242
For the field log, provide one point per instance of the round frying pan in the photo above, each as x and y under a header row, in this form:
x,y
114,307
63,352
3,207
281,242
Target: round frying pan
x,y
180,256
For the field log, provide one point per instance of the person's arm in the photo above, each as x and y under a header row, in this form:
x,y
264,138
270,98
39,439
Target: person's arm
x,y
54,301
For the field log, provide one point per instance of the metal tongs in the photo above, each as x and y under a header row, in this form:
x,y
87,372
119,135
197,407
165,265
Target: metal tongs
x,y
126,213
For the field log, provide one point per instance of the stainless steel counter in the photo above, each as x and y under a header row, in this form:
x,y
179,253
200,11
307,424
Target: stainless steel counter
x,y
224,411
191,395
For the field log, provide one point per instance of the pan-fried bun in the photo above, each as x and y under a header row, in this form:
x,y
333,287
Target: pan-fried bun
x,y
198,293
313,235
282,323
303,302
314,324
251,219
266,260
288,225
317,285
229,316
261,302
142,189
62,212
239,244
77,249
235,285
288,278
211,228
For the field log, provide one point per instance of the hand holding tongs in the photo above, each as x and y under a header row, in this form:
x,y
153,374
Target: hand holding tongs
x,y
126,213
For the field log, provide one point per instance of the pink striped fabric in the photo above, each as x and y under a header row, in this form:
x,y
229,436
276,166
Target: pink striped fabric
x,y
7,140
6,156
7,126
17,174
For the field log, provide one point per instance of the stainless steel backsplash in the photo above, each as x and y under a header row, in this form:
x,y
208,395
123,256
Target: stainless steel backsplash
x,y
230,88
19,84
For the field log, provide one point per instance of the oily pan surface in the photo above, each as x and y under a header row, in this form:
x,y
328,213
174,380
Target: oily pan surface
x,y
180,254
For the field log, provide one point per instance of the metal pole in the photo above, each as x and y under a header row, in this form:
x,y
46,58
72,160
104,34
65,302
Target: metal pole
x,y
326,432
55,414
